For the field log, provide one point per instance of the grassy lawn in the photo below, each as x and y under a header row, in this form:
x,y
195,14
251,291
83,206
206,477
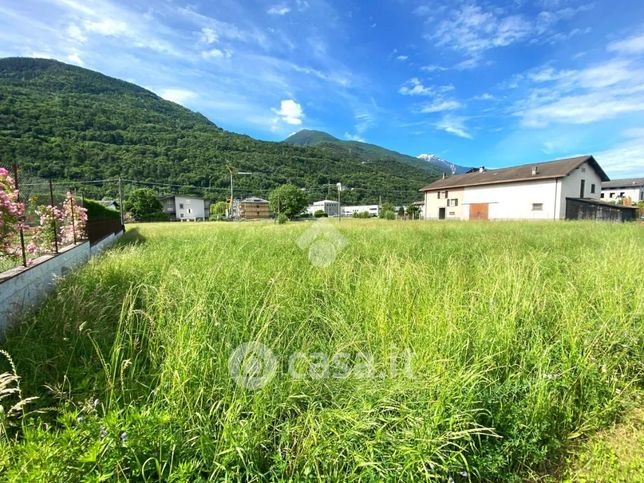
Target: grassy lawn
x,y
398,350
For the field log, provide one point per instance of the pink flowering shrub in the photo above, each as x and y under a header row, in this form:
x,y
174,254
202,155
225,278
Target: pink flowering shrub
x,y
74,220
60,223
11,212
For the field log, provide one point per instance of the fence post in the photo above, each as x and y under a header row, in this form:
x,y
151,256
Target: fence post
x,y
20,223
51,203
71,207
121,202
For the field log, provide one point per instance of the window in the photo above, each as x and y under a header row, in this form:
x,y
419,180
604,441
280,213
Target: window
x,y
592,188
537,206
582,188
189,210
602,195
451,213
452,202
181,206
612,195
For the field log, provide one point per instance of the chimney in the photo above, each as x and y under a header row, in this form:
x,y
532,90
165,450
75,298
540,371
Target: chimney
x,y
535,170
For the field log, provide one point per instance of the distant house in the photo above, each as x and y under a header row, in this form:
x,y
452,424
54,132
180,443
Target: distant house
x,y
330,207
254,208
185,208
350,210
554,190
632,188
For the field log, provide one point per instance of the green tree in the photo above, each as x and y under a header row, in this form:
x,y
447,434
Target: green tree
x,y
413,211
287,199
217,210
387,208
143,203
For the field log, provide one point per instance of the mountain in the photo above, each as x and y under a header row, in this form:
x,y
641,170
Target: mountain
x,y
445,166
369,152
71,124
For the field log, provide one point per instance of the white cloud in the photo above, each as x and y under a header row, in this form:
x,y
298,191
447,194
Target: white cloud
x,y
595,93
74,58
472,30
486,96
216,54
631,45
74,32
107,27
209,35
414,87
290,112
433,68
625,159
177,95
453,125
354,137
402,58
278,10
440,105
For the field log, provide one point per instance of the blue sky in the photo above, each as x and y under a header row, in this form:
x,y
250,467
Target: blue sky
x,y
475,82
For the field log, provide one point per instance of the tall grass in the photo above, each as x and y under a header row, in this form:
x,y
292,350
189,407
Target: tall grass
x,y
523,338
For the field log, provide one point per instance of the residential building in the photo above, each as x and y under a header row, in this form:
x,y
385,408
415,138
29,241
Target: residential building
x,y
349,210
553,190
330,207
629,188
185,208
254,208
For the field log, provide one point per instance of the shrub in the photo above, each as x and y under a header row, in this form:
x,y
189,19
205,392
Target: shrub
x,y
11,212
361,214
388,215
282,218
320,214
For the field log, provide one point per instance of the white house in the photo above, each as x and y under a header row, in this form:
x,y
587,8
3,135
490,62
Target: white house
x,y
330,207
553,190
185,208
632,188
349,210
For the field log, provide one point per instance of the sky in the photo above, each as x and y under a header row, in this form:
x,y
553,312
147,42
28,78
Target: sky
x,y
478,83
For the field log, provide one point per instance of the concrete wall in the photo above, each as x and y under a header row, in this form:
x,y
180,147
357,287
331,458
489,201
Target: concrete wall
x,y
23,288
569,187
433,203
189,208
514,201
635,193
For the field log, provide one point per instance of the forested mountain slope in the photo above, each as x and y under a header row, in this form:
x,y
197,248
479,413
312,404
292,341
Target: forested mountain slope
x,y
68,123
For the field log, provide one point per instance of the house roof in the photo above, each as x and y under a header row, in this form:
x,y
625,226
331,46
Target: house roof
x,y
254,199
544,170
624,183
325,201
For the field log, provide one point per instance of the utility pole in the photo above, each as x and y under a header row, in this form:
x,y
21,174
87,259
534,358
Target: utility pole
x,y
121,201
339,204
232,172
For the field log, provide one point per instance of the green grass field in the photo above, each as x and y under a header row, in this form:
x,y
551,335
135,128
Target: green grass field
x,y
422,351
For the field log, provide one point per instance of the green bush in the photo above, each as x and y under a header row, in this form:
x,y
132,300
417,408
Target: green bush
x,y
96,211
320,214
388,215
361,214
282,218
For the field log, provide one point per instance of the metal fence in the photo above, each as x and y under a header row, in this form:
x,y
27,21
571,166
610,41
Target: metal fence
x,y
52,216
